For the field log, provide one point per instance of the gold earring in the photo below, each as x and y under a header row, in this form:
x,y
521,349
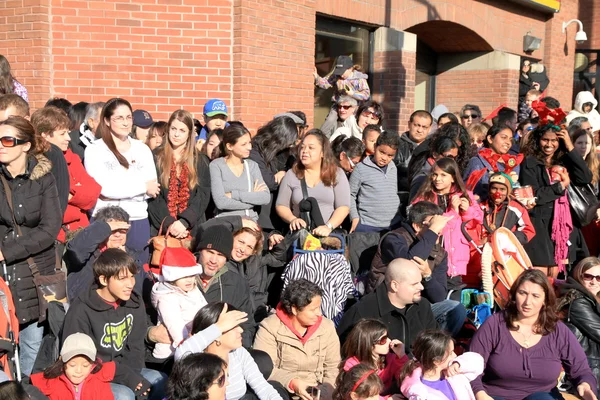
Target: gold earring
x,y
217,342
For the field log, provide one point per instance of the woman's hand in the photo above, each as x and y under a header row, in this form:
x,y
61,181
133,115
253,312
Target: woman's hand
x,y
322,231
159,334
248,223
585,391
178,230
229,320
464,204
118,225
455,203
535,85
297,223
152,188
1,256
279,176
274,240
453,369
565,181
300,388
481,395
259,187
355,222
398,348
199,144
564,135
316,73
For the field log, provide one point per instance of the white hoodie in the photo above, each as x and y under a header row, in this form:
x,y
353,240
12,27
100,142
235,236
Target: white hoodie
x,y
593,116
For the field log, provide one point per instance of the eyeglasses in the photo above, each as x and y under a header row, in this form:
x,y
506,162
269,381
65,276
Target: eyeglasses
x,y
345,107
352,165
373,114
467,116
122,119
382,340
530,128
9,141
220,382
590,277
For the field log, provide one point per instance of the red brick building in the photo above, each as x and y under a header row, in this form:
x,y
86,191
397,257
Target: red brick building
x,y
258,55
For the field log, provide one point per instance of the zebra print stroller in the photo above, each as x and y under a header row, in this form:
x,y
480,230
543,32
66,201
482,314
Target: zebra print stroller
x,y
330,270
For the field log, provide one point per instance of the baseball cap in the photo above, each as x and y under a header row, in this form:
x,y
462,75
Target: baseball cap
x,y
342,64
215,107
78,344
142,118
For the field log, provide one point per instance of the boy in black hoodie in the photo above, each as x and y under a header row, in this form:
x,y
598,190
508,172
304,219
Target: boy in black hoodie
x,y
113,315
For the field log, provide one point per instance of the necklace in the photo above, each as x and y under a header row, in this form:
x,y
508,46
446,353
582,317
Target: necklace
x,y
526,338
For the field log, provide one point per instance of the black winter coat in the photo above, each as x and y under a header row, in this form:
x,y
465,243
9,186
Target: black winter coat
x,y
37,212
582,316
533,172
402,160
268,218
194,214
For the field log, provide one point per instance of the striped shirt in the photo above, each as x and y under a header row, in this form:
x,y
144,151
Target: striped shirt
x,y
242,368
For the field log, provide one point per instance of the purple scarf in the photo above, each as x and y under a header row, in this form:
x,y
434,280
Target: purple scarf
x,y
562,226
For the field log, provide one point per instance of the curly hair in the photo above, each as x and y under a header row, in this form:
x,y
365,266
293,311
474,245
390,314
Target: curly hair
x,y
533,148
299,294
193,375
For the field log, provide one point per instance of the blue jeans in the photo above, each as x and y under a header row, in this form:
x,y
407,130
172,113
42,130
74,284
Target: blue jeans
x,y
30,340
157,379
137,238
450,315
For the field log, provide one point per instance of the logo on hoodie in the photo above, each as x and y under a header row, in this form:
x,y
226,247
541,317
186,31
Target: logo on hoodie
x,y
116,334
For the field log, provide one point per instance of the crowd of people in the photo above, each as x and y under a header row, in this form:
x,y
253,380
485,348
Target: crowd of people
x,y
174,237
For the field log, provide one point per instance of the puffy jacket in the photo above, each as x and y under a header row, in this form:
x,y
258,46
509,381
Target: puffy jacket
x,y
582,316
593,116
314,361
37,212
84,191
94,387
402,160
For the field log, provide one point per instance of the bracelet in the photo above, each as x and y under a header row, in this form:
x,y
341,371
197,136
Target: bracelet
x,y
328,224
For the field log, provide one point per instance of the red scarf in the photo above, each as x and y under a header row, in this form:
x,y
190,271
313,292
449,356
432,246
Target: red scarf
x,y
179,190
509,161
285,319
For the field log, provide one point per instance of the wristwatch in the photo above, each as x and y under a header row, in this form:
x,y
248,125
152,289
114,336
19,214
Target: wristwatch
x,y
328,224
427,278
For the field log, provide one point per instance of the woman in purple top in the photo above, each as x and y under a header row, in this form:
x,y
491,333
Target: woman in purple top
x,y
8,84
525,347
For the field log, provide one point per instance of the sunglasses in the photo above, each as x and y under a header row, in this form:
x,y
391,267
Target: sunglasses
x,y
590,277
345,107
383,340
467,116
368,113
529,128
9,141
220,382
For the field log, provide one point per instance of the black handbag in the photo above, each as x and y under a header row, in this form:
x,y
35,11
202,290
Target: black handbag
x,y
48,287
584,203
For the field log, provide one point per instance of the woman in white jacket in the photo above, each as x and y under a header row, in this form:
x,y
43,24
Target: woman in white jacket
x,y
124,167
585,106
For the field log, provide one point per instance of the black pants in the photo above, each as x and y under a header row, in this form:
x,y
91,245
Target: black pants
x,y
250,395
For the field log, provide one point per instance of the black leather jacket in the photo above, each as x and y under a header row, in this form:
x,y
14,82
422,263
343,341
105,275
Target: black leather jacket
x,y
403,156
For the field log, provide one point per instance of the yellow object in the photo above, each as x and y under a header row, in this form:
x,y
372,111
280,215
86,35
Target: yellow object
x,y
311,243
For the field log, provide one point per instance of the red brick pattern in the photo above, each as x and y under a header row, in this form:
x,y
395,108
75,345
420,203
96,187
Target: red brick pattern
x,y
486,88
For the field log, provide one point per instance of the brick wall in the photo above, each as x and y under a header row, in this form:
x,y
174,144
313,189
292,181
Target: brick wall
x,y
160,56
24,41
589,14
487,88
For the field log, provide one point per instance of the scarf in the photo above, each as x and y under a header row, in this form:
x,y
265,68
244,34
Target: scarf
x,y
509,161
285,319
562,226
179,190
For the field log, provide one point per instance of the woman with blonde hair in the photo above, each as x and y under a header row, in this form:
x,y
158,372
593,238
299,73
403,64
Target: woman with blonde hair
x,y
184,178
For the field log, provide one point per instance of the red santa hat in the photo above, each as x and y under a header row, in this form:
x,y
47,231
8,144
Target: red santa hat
x,y
177,263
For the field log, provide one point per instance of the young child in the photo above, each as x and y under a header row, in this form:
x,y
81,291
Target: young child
x,y
368,344
526,111
215,117
358,383
446,188
77,374
436,373
370,135
585,106
176,297
374,202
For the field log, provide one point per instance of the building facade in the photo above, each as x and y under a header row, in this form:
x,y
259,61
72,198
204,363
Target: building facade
x,y
259,55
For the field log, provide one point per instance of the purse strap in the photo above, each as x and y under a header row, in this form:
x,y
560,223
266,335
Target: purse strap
x,y
32,265
304,187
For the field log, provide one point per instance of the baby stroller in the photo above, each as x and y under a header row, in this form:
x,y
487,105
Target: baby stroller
x,y
329,269
9,332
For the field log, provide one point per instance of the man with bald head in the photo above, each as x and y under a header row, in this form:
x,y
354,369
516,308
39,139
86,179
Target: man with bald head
x,y
397,302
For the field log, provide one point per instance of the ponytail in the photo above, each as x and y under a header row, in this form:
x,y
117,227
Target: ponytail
x,y
407,370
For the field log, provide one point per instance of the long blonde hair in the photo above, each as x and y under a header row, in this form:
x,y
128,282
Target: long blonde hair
x,y
592,158
164,156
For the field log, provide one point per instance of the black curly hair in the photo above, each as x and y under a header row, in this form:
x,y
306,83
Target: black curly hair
x,y
299,294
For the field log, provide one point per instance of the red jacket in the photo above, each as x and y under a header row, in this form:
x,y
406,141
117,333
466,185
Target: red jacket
x,y
94,387
84,191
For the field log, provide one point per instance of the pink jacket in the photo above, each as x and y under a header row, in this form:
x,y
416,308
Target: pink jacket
x,y
388,375
455,242
471,365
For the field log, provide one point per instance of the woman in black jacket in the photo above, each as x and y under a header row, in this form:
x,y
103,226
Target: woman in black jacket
x,y
37,212
551,146
581,309
276,136
184,180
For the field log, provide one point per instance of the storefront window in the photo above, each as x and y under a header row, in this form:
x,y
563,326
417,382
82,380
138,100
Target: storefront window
x,y
586,73
335,38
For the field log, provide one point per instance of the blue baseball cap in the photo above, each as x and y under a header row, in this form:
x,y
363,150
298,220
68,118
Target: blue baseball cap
x,y
215,107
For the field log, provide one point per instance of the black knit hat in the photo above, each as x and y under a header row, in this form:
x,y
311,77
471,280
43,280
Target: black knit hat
x,y
217,238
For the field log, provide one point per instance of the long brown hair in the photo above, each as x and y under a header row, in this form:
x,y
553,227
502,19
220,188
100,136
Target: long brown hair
x,y
547,319
104,132
26,131
592,158
329,166
449,166
581,268
164,156
361,340
430,347
346,383
6,78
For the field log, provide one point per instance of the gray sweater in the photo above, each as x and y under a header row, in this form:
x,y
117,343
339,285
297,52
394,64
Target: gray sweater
x,y
243,199
374,194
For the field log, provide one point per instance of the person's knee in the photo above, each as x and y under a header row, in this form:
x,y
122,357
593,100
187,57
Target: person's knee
x,y
263,361
458,313
153,376
122,392
285,395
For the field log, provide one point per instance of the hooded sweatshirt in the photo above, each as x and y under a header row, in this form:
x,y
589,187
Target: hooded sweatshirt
x,y
95,387
117,330
593,116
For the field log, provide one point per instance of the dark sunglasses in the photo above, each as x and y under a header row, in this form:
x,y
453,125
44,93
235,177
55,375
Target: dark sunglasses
x,y
383,340
590,277
345,107
221,381
368,113
9,141
467,116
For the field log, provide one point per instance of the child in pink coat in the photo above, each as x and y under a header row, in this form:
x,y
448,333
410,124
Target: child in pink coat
x,y
437,373
176,297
